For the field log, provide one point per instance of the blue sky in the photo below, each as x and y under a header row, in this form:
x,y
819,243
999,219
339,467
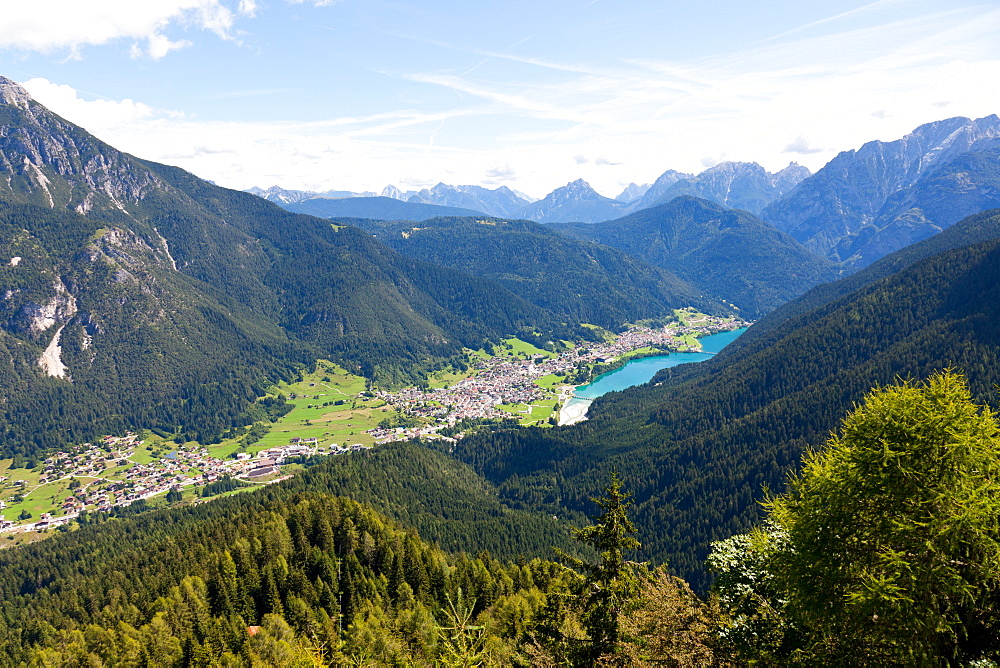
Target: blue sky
x,y
358,94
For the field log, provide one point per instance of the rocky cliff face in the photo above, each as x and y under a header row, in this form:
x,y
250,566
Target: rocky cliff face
x,y
50,162
839,209
736,185
632,192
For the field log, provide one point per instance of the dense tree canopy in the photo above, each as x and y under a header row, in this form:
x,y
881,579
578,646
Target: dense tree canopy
x,y
885,550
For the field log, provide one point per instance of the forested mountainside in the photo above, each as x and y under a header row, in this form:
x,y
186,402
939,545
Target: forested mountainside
x,y
127,341
146,346
580,280
249,582
979,227
169,303
445,500
324,575
730,254
700,448
867,203
290,575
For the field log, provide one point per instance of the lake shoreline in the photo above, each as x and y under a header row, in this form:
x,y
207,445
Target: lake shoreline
x,y
634,372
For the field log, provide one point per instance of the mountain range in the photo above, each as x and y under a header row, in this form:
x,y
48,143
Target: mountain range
x,y
739,185
862,205
379,208
867,203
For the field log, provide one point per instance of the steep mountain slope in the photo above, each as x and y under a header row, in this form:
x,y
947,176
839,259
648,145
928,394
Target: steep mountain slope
x,y
957,188
580,280
977,228
100,334
698,446
178,301
734,185
574,202
839,209
731,255
381,208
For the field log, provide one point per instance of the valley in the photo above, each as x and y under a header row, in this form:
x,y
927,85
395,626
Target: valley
x,y
331,412
291,427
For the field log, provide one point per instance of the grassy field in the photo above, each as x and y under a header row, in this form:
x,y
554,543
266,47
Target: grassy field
x,y
11,539
551,381
329,405
688,316
524,349
691,341
47,498
536,414
446,378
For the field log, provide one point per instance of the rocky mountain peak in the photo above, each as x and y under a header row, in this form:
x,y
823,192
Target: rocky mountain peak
x,y
394,192
632,192
578,188
789,177
13,93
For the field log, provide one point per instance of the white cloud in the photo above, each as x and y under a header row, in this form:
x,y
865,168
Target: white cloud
x,y
838,89
52,25
94,115
247,8
801,145
157,46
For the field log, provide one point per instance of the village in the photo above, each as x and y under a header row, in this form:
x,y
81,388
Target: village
x,y
109,478
506,380
119,471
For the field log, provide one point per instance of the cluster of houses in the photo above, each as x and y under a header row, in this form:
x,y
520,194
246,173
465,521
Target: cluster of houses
x,y
510,381
176,470
89,459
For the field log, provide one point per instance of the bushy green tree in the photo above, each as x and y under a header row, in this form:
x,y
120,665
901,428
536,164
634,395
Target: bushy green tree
x,y
890,550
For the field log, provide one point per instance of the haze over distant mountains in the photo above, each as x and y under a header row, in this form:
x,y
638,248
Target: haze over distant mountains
x,y
863,205
736,185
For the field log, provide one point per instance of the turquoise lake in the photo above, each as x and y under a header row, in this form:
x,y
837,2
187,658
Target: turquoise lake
x,y
642,370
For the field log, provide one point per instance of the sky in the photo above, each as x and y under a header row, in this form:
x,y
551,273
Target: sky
x,y
358,94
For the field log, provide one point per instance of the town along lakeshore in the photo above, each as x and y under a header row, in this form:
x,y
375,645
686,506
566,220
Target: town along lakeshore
x,y
639,371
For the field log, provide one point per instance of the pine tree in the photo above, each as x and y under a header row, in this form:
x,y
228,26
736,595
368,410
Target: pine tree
x,y
610,586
